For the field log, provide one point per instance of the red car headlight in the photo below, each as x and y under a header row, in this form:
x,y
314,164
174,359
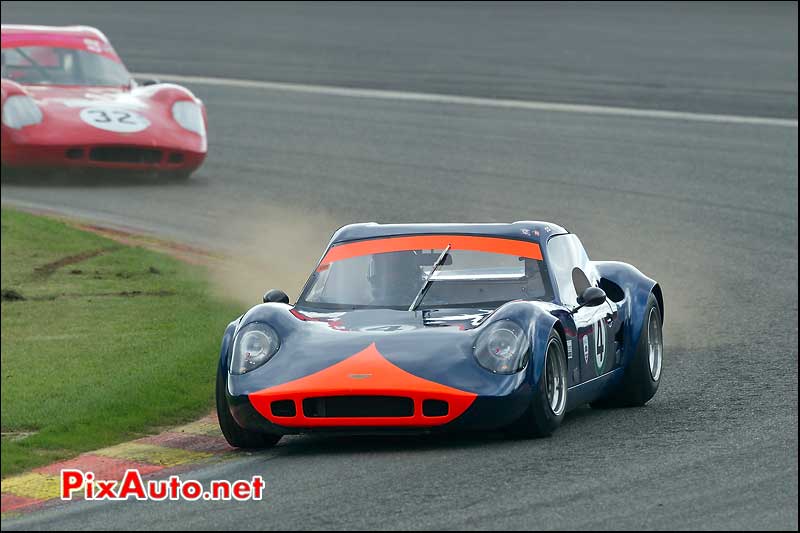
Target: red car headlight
x,y
190,116
19,111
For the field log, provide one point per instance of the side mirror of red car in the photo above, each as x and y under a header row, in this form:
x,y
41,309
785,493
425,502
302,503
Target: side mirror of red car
x,y
147,81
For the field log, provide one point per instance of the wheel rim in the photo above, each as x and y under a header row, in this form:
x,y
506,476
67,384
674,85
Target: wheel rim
x,y
555,377
655,344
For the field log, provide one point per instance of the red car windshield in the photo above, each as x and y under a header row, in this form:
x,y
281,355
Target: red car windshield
x,y
44,65
483,272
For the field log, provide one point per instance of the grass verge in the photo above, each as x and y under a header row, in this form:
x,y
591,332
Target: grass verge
x,y
101,342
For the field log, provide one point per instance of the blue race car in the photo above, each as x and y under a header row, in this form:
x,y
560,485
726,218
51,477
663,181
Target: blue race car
x,y
423,327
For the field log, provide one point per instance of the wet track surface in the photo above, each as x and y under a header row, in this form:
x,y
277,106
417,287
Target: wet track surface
x,y
710,210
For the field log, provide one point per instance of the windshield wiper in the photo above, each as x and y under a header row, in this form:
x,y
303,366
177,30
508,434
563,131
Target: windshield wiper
x,y
425,286
36,66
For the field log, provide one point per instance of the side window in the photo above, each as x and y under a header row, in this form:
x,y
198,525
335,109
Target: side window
x,y
566,254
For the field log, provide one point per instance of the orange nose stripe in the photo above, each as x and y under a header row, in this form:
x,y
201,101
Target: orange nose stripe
x,y
366,373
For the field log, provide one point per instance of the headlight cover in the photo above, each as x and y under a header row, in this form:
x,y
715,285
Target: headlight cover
x,y
502,347
19,111
255,344
190,116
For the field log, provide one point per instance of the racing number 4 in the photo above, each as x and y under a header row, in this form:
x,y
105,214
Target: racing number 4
x,y
600,345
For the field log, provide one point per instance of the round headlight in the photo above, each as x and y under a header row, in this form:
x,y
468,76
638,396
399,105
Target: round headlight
x,y
19,111
255,344
502,348
190,116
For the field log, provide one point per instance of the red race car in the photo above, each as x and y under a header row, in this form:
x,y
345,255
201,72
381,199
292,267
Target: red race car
x,y
68,102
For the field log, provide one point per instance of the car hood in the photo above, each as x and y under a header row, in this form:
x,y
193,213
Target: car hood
x,y
78,110
394,321
436,345
77,97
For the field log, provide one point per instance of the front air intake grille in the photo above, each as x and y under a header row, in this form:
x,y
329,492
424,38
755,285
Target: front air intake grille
x,y
434,408
283,408
358,407
125,154
74,153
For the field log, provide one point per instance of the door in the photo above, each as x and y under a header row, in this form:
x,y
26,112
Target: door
x,y
591,345
596,331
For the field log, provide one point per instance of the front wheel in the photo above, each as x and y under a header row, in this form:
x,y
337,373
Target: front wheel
x,y
549,402
237,436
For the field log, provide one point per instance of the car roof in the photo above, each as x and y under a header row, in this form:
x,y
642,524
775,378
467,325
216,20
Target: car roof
x,y
526,230
86,32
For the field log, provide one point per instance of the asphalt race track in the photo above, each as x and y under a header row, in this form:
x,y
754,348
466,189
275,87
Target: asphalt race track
x,y
707,208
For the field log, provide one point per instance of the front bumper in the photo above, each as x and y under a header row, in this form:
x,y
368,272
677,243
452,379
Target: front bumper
x,y
368,393
484,413
116,156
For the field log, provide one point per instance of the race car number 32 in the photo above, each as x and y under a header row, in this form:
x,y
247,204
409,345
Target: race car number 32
x,y
114,119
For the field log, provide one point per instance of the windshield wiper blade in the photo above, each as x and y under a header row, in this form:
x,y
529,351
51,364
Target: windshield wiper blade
x,y
36,66
425,286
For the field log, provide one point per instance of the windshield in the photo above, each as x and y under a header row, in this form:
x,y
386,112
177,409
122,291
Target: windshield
x,y
44,65
371,278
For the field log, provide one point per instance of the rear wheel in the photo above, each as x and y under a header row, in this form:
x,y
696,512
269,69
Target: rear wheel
x,y
236,435
549,401
643,374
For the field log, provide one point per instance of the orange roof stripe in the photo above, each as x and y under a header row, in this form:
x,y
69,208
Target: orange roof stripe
x,y
496,245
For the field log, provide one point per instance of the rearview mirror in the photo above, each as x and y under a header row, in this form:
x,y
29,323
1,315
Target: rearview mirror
x,y
276,296
144,82
591,297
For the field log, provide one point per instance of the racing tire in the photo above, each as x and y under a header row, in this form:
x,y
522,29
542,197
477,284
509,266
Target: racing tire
x,y
237,436
641,378
549,401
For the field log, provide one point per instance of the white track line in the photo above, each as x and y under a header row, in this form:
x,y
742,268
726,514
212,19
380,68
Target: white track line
x,y
473,101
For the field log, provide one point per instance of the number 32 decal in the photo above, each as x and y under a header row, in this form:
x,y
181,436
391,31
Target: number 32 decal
x,y
114,119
